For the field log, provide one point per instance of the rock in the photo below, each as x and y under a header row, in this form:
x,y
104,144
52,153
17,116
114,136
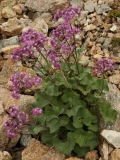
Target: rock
x,y
37,151
89,6
115,79
10,68
73,158
7,12
13,141
103,149
106,43
3,135
4,95
1,108
118,20
25,139
34,151
11,41
112,137
17,9
102,8
10,28
115,155
92,155
89,27
23,102
78,3
47,17
9,49
5,156
40,25
43,5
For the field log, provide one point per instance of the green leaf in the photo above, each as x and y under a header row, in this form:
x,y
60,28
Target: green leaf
x,y
53,91
93,143
82,137
36,129
77,122
93,127
55,123
67,146
48,137
81,151
70,97
107,112
41,101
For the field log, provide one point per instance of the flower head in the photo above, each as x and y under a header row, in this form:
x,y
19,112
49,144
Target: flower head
x,y
36,111
103,65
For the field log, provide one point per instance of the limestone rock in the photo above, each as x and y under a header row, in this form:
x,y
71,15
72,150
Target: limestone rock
x,y
102,8
73,158
17,9
23,102
34,151
1,108
115,155
78,3
10,28
10,68
7,12
40,25
92,155
89,6
9,49
115,79
112,137
45,5
37,151
89,27
3,135
4,95
5,156
11,41
103,149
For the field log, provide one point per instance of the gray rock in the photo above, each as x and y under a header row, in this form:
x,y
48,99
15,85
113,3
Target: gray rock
x,y
11,41
78,3
102,9
25,139
89,6
118,20
112,137
107,43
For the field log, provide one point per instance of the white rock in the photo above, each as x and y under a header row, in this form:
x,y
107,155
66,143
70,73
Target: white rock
x,y
112,137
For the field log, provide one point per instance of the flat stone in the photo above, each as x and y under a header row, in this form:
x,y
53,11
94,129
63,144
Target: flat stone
x,y
45,5
10,28
102,8
9,49
11,41
92,155
115,79
115,155
17,9
7,12
77,3
37,151
106,43
104,150
5,155
89,6
112,137
89,27
39,25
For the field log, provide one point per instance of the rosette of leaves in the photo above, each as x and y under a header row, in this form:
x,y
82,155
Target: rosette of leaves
x,y
70,103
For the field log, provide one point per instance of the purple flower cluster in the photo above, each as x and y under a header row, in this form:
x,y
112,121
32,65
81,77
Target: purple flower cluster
x,y
21,81
36,111
67,14
30,39
103,65
17,119
65,31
